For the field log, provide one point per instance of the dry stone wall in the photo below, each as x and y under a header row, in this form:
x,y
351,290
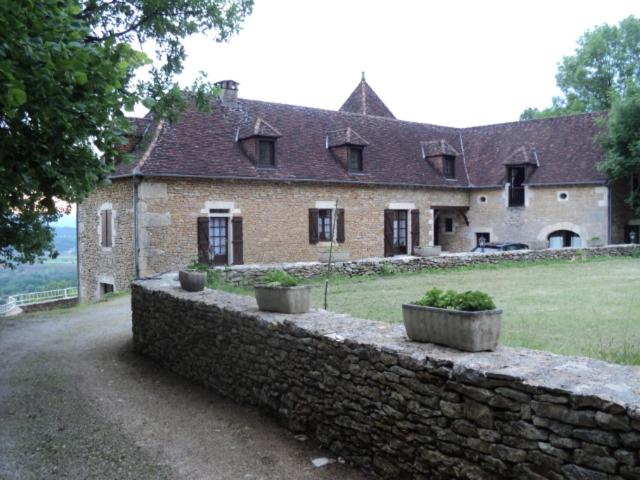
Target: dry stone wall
x,y
399,409
250,274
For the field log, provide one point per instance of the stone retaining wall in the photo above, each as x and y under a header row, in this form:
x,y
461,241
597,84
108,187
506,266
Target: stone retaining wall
x,y
399,409
49,305
250,274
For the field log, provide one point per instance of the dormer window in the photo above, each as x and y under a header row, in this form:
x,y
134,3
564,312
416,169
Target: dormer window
x,y
516,177
266,153
449,166
355,159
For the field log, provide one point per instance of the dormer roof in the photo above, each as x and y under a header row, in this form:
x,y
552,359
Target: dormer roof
x,y
257,128
525,155
345,136
434,148
364,101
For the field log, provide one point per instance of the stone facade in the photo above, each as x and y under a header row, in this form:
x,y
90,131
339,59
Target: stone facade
x,y
399,409
580,209
275,218
97,264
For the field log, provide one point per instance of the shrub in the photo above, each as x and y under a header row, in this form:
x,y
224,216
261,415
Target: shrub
x,y
278,278
470,301
387,269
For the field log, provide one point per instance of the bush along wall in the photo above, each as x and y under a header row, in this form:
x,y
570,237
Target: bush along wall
x,y
399,409
253,273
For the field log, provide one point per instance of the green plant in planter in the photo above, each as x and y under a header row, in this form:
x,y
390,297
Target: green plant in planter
x,y
279,278
195,266
469,301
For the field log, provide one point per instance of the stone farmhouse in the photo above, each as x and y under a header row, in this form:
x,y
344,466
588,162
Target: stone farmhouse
x,y
261,182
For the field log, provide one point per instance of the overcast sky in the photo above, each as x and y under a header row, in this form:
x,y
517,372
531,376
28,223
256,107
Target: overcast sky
x,y
456,63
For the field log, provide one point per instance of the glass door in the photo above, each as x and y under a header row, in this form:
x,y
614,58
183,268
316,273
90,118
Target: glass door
x,y
219,240
399,232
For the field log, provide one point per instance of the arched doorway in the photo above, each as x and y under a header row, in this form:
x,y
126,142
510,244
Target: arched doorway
x,y
563,239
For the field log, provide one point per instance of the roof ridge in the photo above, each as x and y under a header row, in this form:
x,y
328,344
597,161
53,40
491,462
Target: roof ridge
x,y
538,120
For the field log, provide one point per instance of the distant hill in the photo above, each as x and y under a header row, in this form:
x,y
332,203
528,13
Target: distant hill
x,y
65,240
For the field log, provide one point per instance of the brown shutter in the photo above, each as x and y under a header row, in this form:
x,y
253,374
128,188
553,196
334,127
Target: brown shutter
x,y
415,229
109,218
313,225
340,227
103,228
203,240
388,233
236,223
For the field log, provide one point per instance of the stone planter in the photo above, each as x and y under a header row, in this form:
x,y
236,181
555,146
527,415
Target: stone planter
x,y
469,331
192,280
283,299
340,256
427,251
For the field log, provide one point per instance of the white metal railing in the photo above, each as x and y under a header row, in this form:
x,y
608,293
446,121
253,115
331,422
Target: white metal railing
x,y
38,297
8,305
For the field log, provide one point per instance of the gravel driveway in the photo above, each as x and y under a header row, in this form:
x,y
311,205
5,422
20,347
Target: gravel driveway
x,y
77,402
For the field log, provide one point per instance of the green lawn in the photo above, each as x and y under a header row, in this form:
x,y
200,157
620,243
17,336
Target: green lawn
x,y
589,308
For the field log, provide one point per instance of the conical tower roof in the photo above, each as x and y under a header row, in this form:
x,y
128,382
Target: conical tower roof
x,y
365,101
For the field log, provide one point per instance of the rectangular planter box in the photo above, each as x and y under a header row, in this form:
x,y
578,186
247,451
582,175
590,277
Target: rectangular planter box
x,y
426,251
283,299
469,331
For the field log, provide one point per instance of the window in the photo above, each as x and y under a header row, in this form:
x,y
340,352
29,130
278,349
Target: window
x,y
516,176
485,235
325,226
106,236
355,159
449,167
400,232
563,196
266,153
106,288
482,199
448,225
564,238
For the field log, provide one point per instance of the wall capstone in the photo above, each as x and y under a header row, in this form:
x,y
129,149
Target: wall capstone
x,y
395,408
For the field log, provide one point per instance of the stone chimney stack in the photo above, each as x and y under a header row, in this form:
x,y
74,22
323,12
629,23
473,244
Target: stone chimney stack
x,y
229,90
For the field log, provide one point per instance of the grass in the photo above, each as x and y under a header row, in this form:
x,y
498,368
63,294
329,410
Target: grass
x,y
588,307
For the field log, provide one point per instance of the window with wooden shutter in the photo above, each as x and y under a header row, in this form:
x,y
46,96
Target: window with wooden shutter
x,y
325,224
313,225
340,234
203,240
236,223
388,232
106,228
415,228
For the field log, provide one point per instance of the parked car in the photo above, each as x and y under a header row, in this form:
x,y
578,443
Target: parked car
x,y
500,247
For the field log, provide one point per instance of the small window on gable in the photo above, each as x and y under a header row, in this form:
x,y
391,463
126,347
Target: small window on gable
x,y
355,159
449,166
266,153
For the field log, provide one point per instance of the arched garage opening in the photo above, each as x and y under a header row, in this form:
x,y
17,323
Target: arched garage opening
x,y
563,239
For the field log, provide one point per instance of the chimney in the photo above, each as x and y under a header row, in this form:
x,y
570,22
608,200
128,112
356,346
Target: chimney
x,y
228,90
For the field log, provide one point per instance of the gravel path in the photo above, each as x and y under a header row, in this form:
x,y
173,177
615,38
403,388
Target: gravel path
x,y
77,402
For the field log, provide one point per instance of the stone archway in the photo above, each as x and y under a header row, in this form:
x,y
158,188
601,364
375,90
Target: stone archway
x,y
543,235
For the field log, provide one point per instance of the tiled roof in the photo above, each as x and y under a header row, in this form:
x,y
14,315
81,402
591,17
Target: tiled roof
x,y
205,145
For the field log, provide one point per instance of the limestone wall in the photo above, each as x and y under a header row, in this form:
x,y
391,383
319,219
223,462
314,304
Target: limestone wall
x,y
584,210
249,274
399,409
98,264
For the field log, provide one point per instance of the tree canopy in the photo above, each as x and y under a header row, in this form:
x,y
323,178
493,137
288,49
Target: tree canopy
x,y
67,77
604,65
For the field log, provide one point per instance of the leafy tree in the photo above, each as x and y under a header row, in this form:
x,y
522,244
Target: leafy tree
x,y
603,66
622,141
66,79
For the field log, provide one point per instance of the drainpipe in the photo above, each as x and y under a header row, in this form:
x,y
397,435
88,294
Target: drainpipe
x,y
137,179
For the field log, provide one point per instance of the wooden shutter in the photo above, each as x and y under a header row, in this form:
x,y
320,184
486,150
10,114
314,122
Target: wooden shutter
x,y
340,225
415,229
313,225
109,229
236,223
103,228
388,233
203,240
